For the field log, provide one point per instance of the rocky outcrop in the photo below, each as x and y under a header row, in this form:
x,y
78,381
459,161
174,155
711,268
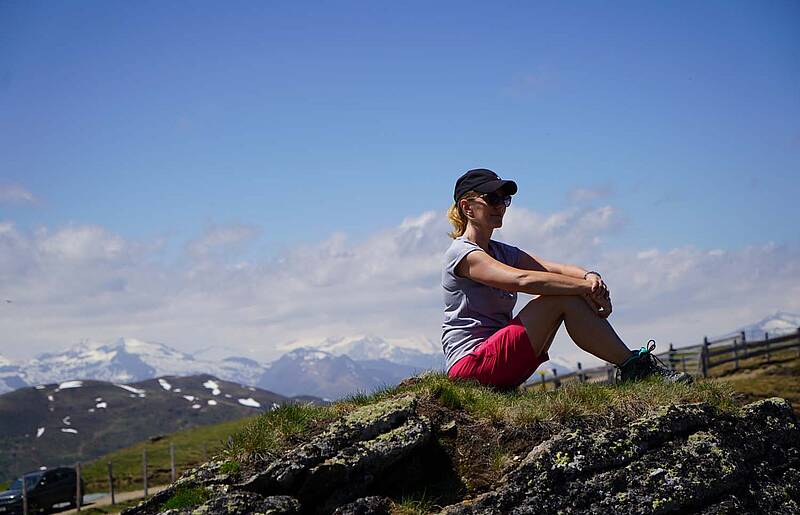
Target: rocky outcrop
x,y
333,469
683,459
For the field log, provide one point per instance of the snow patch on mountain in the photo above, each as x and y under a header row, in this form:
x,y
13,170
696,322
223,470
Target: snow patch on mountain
x,y
213,386
131,389
69,384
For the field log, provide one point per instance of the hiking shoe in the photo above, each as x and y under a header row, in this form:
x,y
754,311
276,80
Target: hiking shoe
x,y
643,363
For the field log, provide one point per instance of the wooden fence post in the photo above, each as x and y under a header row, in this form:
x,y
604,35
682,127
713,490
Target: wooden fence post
x,y
798,342
580,373
172,459
24,495
144,470
544,385
704,357
736,353
766,343
78,494
671,356
111,483
744,344
556,380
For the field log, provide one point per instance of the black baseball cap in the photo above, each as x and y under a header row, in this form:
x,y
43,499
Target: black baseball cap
x,y
482,181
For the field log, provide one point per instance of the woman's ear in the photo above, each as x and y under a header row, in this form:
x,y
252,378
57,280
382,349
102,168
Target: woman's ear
x,y
463,204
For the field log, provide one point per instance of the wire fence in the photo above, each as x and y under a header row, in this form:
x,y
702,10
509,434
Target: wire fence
x,y
696,360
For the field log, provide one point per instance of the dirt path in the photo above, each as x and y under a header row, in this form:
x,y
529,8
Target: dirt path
x,y
118,498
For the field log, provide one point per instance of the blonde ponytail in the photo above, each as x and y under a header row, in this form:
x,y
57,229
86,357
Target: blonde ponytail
x,y
457,219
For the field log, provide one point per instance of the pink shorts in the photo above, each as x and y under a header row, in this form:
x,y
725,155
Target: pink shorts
x,y
505,359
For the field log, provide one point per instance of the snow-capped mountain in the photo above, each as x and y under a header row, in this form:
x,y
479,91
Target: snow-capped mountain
x,y
128,360
777,324
303,371
11,376
311,371
418,354
124,361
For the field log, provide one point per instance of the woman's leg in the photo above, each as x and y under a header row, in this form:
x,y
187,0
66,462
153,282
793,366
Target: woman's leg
x,y
542,317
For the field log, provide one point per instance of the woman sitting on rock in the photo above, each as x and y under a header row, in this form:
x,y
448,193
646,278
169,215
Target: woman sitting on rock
x,y
481,278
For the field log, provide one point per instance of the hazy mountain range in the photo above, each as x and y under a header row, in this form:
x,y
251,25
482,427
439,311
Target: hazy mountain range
x,y
777,324
335,369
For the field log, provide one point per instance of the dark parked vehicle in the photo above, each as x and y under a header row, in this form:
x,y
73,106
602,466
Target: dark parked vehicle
x,y
46,488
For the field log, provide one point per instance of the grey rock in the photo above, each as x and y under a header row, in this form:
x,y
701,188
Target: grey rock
x,y
373,505
243,503
681,459
342,463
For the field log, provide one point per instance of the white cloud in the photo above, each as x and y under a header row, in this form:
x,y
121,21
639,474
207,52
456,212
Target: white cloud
x,y
12,193
583,195
82,282
221,239
79,243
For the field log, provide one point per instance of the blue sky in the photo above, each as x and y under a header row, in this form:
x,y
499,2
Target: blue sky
x,y
166,121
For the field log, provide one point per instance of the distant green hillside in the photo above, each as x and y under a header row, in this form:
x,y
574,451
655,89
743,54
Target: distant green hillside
x,y
192,447
53,425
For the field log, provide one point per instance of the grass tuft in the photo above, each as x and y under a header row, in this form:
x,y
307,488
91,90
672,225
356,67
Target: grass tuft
x,y
268,433
230,467
416,505
186,498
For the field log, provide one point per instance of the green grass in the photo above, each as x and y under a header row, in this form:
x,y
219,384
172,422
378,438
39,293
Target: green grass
x,y
116,508
759,379
189,452
186,498
268,433
416,505
573,400
230,467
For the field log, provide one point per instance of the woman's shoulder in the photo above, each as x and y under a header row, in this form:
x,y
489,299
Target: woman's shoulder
x,y
504,252
461,242
458,248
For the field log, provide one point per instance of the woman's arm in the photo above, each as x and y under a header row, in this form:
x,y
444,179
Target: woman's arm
x,y
531,262
481,267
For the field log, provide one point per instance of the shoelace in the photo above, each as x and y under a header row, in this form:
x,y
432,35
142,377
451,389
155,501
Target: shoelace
x,y
648,351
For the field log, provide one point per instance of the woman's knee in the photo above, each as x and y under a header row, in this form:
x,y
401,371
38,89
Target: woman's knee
x,y
560,304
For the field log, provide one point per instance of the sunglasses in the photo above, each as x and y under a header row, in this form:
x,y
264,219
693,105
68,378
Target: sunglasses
x,y
494,199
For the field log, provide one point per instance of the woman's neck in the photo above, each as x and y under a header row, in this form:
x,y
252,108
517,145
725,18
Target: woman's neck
x,y
479,236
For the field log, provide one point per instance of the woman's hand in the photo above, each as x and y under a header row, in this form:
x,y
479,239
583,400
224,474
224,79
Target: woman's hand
x,y
601,306
599,288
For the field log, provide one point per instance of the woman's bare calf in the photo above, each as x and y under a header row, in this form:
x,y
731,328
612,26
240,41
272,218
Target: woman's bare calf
x,y
542,317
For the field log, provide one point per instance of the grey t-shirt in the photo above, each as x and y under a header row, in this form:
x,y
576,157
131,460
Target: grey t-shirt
x,y
473,311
